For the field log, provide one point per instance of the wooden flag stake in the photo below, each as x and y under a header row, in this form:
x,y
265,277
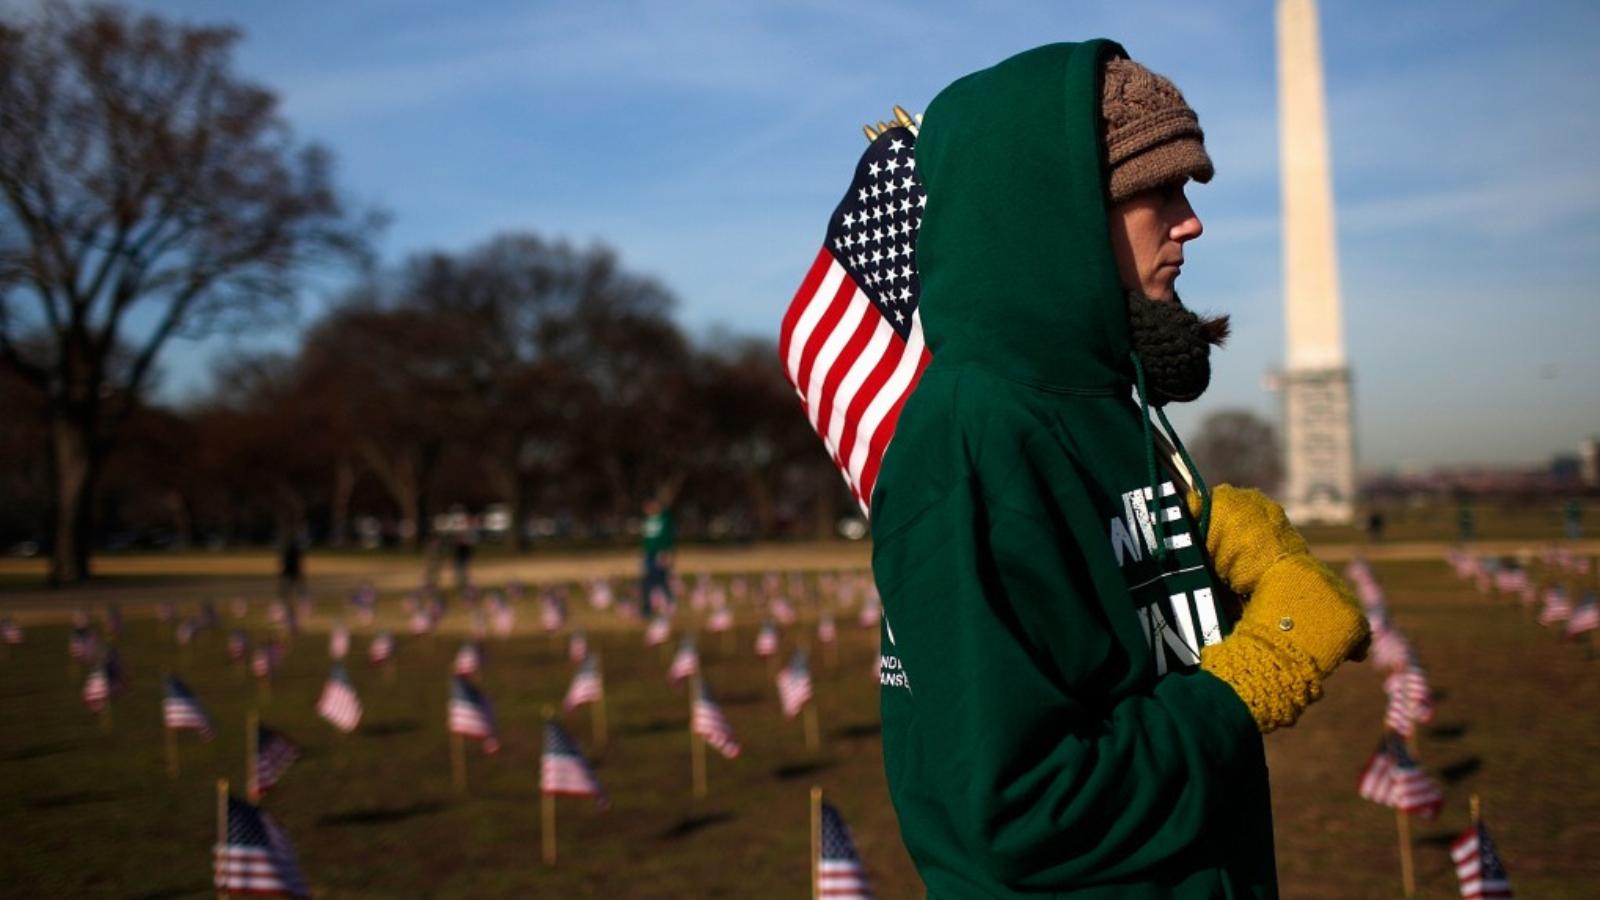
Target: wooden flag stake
x,y
1477,809
172,751
547,803
252,757
105,711
1408,878
816,842
458,761
222,822
697,744
813,731
597,716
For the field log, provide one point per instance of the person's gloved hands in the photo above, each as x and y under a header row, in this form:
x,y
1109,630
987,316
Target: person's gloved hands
x,y
1300,620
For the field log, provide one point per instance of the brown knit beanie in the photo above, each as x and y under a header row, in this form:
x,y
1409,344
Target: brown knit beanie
x,y
1152,136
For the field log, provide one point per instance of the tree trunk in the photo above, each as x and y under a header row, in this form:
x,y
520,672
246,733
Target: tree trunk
x,y
344,487
75,465
761,501
182,521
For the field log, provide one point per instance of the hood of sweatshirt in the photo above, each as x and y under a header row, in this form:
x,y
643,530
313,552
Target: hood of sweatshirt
x,y
1015,259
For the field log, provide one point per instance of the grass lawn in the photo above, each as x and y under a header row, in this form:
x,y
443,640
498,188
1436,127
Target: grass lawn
x,y
374,814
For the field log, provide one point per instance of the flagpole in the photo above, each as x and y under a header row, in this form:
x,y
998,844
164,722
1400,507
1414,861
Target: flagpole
x,y
813,729
105,709
458,761
816,842
252,757
1477,810
222,823
697,744
547,804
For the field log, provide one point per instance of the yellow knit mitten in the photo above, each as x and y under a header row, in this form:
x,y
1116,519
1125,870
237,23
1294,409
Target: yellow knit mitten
x,y
1300,621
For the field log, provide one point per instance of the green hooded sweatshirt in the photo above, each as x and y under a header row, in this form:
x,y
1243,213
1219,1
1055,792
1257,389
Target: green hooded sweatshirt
x,y
1046,728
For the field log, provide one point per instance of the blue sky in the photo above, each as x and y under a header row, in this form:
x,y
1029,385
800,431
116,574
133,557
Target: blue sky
x,y
708,140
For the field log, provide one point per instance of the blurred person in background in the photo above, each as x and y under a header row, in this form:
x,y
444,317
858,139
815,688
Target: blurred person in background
x,y
1079,655
658,536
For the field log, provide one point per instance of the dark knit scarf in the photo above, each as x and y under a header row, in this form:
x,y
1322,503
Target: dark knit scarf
x,y
1174,345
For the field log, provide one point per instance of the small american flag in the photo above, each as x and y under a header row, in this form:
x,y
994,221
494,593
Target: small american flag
x,y
660,629
1557,608
708,721
552,612
339,642
870,613
685,663
767,640
264,661
421,622
238,645
166,611
1410,700
1585,618
275,753
381,650
339,703
840,874
851,340
10,631
782,611
600,594
1478,866
587,685
827,632
720,620
1392,778
1390,650
97,689
471,716
187,629
258,857
578,646
469,659
794,684
503,616
81,643
180,711
1511,581
562,769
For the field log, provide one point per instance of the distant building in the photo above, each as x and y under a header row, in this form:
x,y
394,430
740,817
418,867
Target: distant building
x,y
1589,462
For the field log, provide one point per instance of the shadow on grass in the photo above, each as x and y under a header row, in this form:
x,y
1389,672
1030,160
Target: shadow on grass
x,y
1449,731
1442,839
687,826
859,730
391,728
800,770
742,698
75,798
654,726
37,750
182,890
359,817
1456,772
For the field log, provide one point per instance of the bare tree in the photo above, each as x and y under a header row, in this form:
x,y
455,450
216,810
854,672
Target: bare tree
x,y
148,192
1238,447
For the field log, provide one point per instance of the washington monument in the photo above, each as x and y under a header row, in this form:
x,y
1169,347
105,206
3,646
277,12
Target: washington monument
x,y
1320,483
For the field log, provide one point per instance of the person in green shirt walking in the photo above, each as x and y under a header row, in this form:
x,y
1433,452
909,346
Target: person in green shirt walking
x,y
1079,651
658,537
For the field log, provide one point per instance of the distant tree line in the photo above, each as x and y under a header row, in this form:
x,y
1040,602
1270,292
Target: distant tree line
x,y
147,192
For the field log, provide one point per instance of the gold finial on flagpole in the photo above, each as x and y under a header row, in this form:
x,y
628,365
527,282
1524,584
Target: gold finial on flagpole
x,y
871,135
903,117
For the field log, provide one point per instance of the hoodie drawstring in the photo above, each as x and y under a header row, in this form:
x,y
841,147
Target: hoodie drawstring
x,y
1150,464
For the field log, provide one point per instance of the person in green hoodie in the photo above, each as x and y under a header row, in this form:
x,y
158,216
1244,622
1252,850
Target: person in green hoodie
x,y
1079,651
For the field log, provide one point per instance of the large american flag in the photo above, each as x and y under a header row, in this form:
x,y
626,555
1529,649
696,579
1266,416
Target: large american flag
x,y
275,753
1478,866
1392,778
339,703
180,711
587,685
794,684
258,857
851,340
562,769
840,874
471,715
708,721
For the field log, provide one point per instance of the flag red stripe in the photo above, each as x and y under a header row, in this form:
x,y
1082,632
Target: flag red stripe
x,y
821,333
885,430
822,412
819,268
